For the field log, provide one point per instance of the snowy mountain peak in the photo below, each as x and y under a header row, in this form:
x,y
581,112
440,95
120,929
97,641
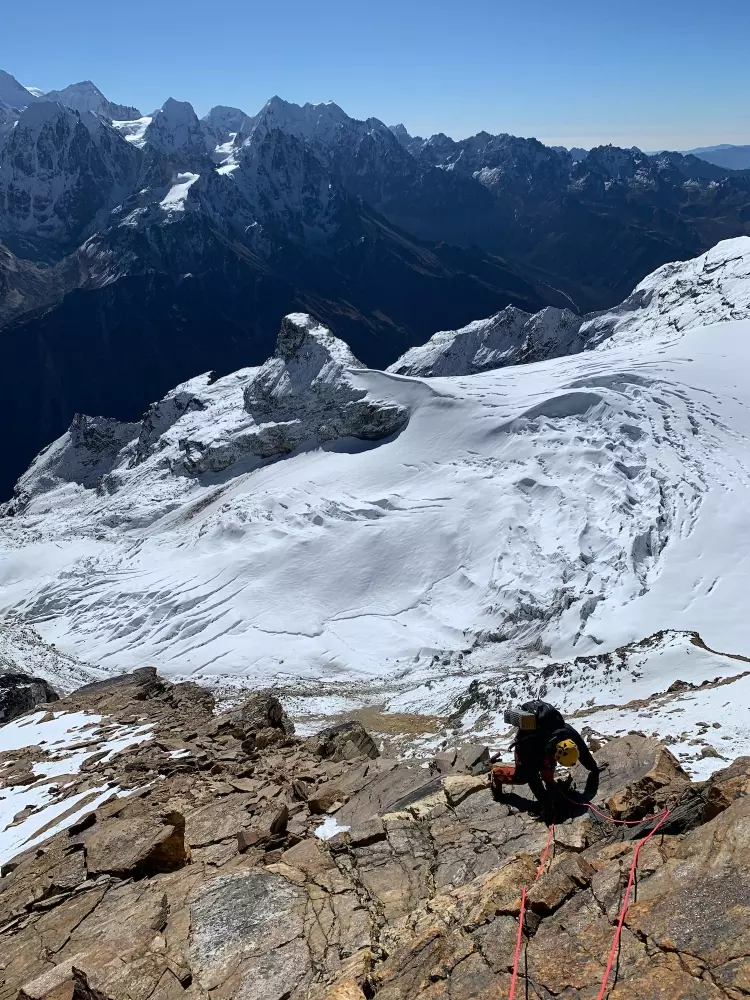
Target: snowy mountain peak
x,y
175,126
61,172
712,288
302,338
86,96
12,93
307,121
224,120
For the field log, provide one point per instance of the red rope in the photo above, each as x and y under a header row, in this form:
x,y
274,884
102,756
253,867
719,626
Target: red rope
x,y
617,822
626,902
519,936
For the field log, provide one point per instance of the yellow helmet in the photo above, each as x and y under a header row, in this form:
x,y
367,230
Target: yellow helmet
x,y
566,753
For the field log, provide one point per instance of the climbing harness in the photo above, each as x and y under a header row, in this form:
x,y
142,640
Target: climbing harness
x,y
661,817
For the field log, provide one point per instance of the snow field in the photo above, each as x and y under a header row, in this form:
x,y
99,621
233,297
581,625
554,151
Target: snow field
x,y
69,739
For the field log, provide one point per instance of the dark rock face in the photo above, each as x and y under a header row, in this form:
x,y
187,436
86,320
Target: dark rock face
x,y
60,170
20,693
260,712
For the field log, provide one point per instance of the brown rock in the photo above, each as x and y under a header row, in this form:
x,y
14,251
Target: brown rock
x,y
259,712
309,856
140,845
217,820
300,789
250,838
368,832
323,798
345,741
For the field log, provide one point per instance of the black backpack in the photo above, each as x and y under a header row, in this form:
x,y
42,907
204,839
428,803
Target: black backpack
x,y
548,718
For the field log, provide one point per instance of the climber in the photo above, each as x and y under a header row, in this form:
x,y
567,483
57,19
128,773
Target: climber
x,y
543,741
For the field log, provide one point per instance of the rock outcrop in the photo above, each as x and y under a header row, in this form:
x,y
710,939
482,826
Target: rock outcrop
x,y
510,337
203,877
304,393
20,693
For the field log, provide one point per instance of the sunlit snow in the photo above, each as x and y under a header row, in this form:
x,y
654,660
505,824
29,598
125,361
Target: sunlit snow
x,y
174,200
523,516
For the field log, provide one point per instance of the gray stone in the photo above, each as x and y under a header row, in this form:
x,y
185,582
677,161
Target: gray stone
x,y
237,919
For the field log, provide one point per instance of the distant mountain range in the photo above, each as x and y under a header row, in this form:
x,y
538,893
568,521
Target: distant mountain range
x,y
141,250
724,155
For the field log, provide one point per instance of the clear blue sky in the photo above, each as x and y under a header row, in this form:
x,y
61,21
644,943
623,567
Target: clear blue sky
x,y
672,73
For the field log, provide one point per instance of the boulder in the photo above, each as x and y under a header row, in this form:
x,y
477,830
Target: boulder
x,y
137,846
241,928
21,693
472,757
345,741
260,713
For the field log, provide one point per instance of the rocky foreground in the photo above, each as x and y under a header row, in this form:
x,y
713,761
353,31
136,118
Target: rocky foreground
x,y
200,873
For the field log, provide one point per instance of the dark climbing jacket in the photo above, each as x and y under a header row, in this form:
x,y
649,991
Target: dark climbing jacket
x,y
535,748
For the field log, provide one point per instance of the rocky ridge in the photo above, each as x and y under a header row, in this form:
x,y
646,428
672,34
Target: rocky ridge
x,y
199,873
680,296
304,396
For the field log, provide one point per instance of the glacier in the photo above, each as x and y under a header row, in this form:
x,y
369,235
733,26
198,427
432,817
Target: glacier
x,y
351,536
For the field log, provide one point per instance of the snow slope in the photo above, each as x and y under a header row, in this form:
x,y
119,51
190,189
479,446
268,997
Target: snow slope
x,y
510,337
575,504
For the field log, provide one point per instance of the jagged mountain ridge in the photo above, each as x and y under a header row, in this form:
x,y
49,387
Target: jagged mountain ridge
x,y
288,204
191,244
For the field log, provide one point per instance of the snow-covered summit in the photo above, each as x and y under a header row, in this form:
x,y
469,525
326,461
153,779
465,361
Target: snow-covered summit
x,y
61,171
307,121
86,96
679,296
13,94
225,128
175,127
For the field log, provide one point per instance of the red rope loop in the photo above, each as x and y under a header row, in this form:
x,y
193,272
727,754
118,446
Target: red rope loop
x,y
661,817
